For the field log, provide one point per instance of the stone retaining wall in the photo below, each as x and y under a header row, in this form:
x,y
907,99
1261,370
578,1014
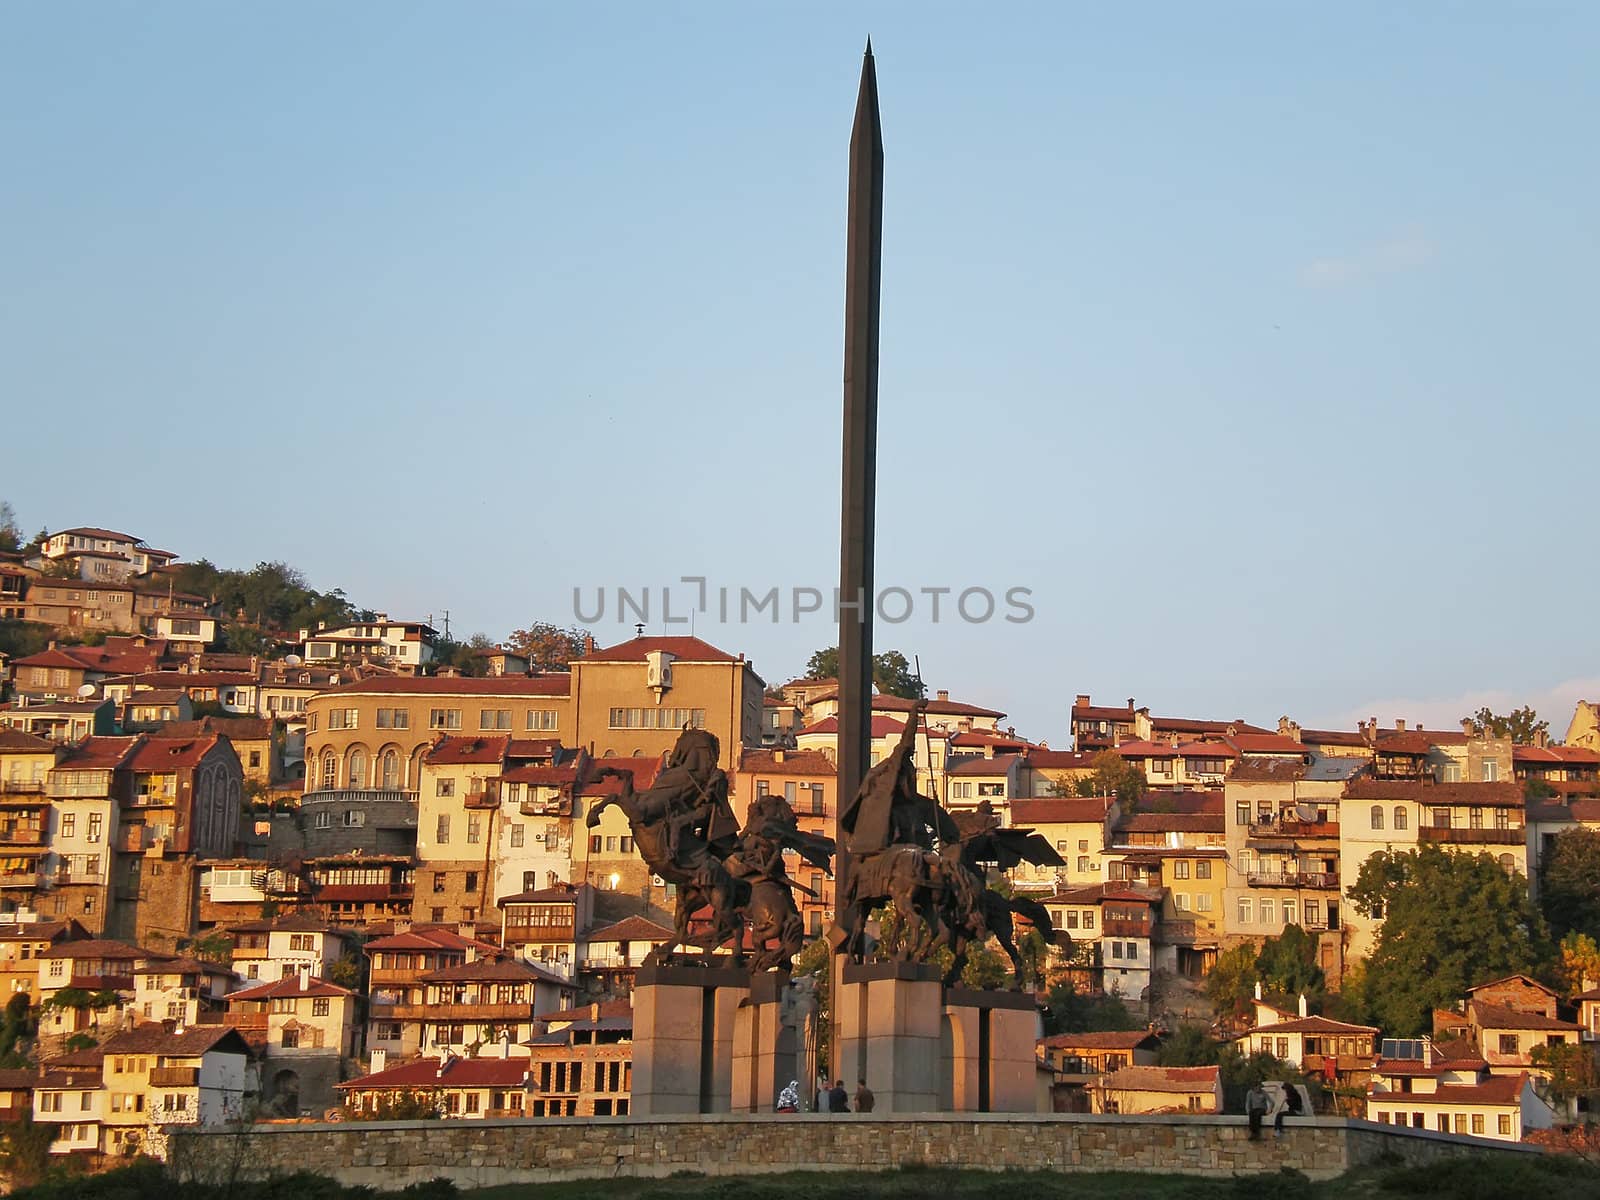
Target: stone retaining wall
x,y
488,1153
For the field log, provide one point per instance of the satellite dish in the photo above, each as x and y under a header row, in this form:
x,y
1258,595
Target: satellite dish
x,y
86,690
291,660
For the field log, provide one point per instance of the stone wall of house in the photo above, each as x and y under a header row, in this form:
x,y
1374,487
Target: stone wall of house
x,y
490,1153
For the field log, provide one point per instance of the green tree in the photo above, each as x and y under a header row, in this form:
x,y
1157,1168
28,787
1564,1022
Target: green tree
x,y
1521,725
1450,921
548,647
1287,964
1569,882
891,672
1231,984
25,1149
214,947
1113,775
1068,1010
815,961
1580,963
1190,1045
1570,1069
10,531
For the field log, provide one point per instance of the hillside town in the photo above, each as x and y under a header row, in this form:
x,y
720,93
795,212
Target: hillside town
x,y
264,872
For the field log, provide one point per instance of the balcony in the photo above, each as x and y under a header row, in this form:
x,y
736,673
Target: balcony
x,y
21,879
1294,879
21,787
60,789
537,933
460,1012
1119,928
184,1077
21,835
1179,933
1295,830
555,807
610,962
1516,835
359,796
400,975
72,878
245,1020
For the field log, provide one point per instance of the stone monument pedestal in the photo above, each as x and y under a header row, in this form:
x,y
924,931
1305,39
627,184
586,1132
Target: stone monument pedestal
x,y
987,1052
887,1021
683,1038
767,1053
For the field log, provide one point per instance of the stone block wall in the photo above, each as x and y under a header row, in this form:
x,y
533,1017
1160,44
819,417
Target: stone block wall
x,y
490,1153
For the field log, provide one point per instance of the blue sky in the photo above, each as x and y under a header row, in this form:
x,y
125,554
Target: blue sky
x,y
1257,340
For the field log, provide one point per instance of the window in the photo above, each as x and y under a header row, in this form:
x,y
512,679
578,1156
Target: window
x,y
1441,818
438,881
330,771
474,829
1116,949
1313,913
1290,917
1400,821
991,789
1502,818
494,718
1508,1043
658,718
441,833
1202,869
1181,901
69,822
472,881
302,941
1180,870
344,718
1475,818
1241,813
319,1006
436,914
394,718
255,758
1268,912
1508,864
444,718
444,787
596,843
353,818
1505,1124
1477,1124
1491,771
1377,816
1461,1122
541,719
1202,902
1088,919
1246,910
517,834
291,1038
1083,863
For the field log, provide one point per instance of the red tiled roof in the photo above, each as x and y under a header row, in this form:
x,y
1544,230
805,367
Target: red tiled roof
x,y
1161,1079
685,649
1060,760
987,737
235,729
1130,1039
1497,1089
100,948
1205,749
100,753
935,708
795,762
1410,743
561,893
168,753
465,750
1254,769
1186,725
1265,743
644,770
882,727
1314,1025
1495,1016
1136,748
494,970
94,531
1101,712
289,985
534,748
1000,764
1332,737
581,1012
542,776
421,939
17,742
1504,794
1062,810
630,929
1174,822
459,685
149,696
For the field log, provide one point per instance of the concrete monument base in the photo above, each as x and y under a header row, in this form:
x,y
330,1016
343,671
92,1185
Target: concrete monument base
x,y
887,1019
987,1052
767,1052
683,1038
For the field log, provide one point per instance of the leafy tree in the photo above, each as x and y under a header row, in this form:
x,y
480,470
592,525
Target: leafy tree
x,y
1450,921
1521,725
1113,775
1580,963
1287,964
10,531
463,656
1572,1071
548,647
1232,982
816,960
1068,1010
1190,1045
1569,882
349,971
891,672
80,1041
215,947
25,1149
404,1106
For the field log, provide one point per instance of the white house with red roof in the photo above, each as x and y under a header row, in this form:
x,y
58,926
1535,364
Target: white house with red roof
x,y
305,1028
1422,1085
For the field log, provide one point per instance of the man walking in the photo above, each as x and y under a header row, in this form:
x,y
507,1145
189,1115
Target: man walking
x,y
864,1097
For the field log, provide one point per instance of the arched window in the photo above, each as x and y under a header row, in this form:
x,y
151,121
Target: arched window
x,y
391,770
358,768
1377,816
330,770
1399,816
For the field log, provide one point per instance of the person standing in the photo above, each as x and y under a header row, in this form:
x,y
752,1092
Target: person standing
x,y
824,1096
864,1097
838,1098
1255,1107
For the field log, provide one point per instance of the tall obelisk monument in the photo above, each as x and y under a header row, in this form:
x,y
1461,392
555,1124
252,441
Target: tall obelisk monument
x,y
863,274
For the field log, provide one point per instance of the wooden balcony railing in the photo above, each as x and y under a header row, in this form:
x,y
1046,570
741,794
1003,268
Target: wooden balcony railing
x,y
460,1012
1121,928
1294,829
1514,836
21,835
1294,879
175,1077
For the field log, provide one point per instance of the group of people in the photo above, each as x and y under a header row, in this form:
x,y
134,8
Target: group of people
x,y
1257,1104
829,1099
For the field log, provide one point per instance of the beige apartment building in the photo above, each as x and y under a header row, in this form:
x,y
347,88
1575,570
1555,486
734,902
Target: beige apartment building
x,y
633,699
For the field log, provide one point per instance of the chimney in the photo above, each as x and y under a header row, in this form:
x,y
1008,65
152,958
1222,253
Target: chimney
x,y
1399,724
1080,701
1467,726
1305,1011
305,980
1130,703
1258,989
588,644
777,754
505,1045
380,1060
941,694
594,1011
